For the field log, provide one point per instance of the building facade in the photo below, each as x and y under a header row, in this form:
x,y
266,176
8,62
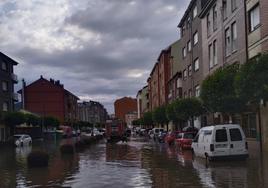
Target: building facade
x,y
191,49
92,112
130,117
123,106
7,95
142,101
49,98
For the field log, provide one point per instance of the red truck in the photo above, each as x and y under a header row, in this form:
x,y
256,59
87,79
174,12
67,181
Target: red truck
x,y
115,130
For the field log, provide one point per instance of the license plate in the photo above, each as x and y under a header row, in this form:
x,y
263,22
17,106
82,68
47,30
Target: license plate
x,y
221,145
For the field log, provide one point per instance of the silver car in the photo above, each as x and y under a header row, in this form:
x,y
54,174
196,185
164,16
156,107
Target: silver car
x,y
22,140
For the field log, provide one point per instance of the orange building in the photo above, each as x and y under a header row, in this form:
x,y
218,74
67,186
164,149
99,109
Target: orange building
x,y
124,106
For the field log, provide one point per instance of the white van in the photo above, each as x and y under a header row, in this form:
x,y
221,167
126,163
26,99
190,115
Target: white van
x,y
220,141
155,132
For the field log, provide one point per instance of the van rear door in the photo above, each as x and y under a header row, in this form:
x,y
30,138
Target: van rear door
x,y
221,145
237,142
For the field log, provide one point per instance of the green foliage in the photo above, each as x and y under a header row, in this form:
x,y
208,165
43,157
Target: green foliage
x,y
148,118
251,82
136,122
14,118
218,91
170,112
159,115
50,121
188,108
31,119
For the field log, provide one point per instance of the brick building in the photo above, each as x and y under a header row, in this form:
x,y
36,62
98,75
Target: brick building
x,y
7,95
142,101
123,106
49,98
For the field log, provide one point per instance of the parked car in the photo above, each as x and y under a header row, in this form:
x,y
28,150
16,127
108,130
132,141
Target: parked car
x,y
170,138
22,140
184,139
161,136
220,141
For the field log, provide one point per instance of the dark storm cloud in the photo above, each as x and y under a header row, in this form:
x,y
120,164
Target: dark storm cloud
x,y
100,49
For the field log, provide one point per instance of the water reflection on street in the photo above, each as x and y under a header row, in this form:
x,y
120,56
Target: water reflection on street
x,y
139,163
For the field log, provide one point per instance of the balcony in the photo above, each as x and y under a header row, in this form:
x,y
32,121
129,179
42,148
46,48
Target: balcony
x,y
14,77
15,96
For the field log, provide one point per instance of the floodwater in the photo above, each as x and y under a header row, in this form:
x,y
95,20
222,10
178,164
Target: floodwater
x,y
139,163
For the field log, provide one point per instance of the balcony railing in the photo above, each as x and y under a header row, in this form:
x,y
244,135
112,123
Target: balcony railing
x,y
14,77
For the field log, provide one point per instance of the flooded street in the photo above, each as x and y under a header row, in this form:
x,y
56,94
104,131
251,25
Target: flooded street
x,y
138,163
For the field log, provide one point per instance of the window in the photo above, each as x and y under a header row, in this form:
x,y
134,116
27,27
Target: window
x,y
185,94
221,135
234,4
189,46
197,90
4,86
210,55
196,64
215,56
183,30
235,135
234,36
195,12
184,52
215,18
5,106
188,22
4,66
195,38
185,74
254,18
190,70
208,25
224,8
227,42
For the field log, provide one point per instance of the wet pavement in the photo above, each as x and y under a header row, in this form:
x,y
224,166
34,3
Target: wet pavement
x,y
139,163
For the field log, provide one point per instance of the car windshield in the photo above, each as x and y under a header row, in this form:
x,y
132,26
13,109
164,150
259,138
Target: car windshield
x,y
188,136
17,136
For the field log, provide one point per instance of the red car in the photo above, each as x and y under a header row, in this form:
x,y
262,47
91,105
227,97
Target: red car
x,y
170,138
184,139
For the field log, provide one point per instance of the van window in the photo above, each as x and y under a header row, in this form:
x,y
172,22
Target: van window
x,y
221,135
156,130
235,135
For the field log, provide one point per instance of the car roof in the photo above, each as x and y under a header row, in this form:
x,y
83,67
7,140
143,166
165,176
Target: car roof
x,y
219,126
20,135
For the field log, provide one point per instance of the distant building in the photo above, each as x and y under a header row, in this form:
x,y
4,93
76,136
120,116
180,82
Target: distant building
x,y
7,95
130,117
142,101
49,98
92,112
123,106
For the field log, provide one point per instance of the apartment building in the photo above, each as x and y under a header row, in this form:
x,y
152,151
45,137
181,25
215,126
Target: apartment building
x,y
92,112
222,45
191,49
153,87
123,106
175,79
142,101
49,98
7,95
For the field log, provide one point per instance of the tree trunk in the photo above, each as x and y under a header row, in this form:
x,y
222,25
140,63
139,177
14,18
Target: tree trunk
x,y
260,126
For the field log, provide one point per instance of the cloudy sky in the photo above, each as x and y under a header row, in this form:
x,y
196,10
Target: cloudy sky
x,y
99,49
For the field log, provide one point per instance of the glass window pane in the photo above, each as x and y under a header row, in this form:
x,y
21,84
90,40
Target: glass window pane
x,y
221,135
235,135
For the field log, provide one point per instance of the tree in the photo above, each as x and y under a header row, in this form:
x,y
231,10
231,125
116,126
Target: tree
x,y
50,121
251,82
31,119
218,91
188,108
12,119
148,119
171,114
159,115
